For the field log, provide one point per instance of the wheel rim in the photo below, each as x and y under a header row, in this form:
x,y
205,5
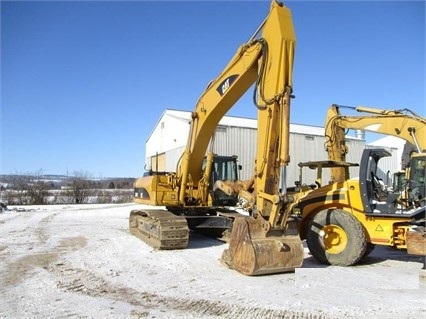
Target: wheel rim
x,y
333,239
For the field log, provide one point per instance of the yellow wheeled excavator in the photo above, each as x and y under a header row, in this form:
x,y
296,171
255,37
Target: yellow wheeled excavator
x,y
266,240
343,221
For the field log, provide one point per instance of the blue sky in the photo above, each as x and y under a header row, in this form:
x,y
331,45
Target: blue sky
x,y
84,83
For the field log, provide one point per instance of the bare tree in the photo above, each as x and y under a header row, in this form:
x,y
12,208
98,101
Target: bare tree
x,y
19,188
27,188
38,189
81,187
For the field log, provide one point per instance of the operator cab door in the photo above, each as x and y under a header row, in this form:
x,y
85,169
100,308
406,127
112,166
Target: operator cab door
x,y
375,198
225,168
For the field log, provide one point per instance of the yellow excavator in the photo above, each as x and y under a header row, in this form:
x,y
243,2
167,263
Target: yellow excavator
x,y
201,193
404,124
343,220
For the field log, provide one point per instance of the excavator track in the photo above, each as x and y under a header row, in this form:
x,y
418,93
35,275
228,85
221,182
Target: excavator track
x,y
160,229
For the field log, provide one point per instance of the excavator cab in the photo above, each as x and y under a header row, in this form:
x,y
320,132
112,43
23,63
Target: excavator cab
x,y
416,183
376,196
225,168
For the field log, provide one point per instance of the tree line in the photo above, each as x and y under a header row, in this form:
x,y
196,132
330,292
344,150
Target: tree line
x,y
78,188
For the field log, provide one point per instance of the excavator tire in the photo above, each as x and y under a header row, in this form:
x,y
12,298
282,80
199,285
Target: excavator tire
x,y
336,238
160,229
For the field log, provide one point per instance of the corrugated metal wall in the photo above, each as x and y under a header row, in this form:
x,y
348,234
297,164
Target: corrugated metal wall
x,y
241,141
305,148
238,141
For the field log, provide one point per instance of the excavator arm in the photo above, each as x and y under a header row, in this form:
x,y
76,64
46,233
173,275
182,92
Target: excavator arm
x,y
404,124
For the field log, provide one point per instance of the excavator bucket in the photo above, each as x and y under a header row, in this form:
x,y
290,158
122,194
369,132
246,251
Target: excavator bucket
x,y
251,252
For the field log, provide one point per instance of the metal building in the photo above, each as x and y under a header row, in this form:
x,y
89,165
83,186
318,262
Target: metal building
x,y
237,136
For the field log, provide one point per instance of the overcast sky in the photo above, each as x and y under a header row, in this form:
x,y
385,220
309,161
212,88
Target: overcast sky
x,y
83,83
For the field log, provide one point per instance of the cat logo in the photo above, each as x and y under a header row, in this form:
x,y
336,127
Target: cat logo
x,y
226,84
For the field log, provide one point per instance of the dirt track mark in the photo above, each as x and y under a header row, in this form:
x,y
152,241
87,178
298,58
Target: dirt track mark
x,y
70,279
40,231
72,243
23,268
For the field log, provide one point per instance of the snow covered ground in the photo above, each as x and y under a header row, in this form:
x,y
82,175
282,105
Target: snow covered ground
x,y
81,262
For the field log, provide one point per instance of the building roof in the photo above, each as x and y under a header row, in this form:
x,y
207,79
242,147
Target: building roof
x,y
234,121
246,122
389,141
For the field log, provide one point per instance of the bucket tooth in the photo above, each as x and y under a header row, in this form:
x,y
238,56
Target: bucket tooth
x,y
252,252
